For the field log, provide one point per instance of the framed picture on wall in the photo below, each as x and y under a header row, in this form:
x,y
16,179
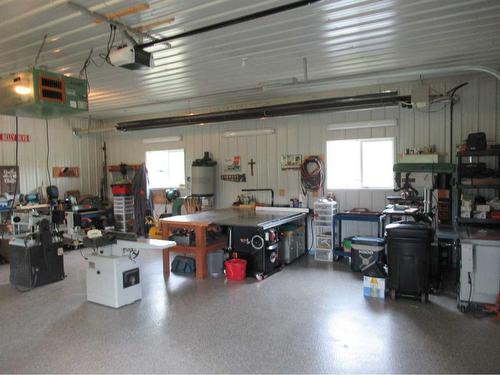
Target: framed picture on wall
x,y
291,161
8,177
232,164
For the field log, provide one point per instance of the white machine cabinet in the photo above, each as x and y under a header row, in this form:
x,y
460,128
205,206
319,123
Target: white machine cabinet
x,y
122,277
114,275
480,264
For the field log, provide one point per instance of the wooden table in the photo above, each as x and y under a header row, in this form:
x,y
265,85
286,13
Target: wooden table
x,y
200,223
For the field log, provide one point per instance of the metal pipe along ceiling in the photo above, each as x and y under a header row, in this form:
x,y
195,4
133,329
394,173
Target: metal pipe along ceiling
x,y
331,104
234,21
367,78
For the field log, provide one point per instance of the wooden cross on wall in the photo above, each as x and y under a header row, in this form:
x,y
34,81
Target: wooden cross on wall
x,y
251,163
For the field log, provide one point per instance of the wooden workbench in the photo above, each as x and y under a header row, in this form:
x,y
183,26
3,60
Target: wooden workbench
x,y
200,223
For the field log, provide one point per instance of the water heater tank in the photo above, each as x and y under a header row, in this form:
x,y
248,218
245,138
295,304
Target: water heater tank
x,y
203,176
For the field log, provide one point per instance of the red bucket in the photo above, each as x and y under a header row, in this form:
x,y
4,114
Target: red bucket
x,y
236,269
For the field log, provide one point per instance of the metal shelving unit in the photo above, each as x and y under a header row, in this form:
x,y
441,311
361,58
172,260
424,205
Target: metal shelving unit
x,y
461,186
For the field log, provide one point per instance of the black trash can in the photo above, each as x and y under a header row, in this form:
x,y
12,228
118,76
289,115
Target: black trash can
x,y
409,259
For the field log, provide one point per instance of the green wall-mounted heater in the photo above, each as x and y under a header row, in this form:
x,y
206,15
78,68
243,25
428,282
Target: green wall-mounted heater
x,y
42,94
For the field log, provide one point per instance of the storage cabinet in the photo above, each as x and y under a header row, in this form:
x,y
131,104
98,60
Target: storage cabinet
x,y
123,207
324,236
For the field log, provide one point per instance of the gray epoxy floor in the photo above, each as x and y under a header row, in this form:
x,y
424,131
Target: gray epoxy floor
x,y
311,317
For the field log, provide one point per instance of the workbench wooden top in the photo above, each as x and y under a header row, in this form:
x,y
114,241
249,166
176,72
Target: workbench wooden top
x,y
201,218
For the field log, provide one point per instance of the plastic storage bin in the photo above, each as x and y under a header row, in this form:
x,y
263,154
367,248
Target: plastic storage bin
x,y
121,189
323,255
215,263
292,244
366,251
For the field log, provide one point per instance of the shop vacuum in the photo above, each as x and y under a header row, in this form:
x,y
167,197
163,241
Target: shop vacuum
x,y
37,258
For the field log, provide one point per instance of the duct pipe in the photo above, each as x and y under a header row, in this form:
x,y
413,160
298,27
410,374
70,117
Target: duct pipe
x,y
380,77
331,104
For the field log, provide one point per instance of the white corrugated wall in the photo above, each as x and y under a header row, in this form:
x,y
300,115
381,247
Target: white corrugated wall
x,y
477,110
65,150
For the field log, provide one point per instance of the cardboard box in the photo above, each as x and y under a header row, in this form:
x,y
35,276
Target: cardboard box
x,y
374,287
483,207
465,214
479,215
443,194
466,205
421,158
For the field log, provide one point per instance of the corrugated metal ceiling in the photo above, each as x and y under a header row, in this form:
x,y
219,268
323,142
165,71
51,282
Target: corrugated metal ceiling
x,y
338,38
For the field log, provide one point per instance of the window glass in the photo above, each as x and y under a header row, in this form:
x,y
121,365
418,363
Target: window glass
x,y
165,168
360,163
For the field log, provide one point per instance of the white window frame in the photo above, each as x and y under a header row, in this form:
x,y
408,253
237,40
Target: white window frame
x,y
183,184
361,141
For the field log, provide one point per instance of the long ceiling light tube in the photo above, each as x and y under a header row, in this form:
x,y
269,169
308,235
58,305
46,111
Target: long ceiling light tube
x,y
362,125
248,133
174,138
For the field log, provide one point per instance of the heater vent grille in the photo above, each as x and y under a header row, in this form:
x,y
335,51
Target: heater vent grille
x,y
54,83
54,95
51,89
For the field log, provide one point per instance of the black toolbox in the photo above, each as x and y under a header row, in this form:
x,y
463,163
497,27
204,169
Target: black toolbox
x,y
409,259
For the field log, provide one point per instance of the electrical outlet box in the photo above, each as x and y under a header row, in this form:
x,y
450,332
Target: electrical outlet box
x,y
420,96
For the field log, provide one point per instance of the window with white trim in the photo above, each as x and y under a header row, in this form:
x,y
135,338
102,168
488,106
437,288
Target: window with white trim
x,y
360,163
165,168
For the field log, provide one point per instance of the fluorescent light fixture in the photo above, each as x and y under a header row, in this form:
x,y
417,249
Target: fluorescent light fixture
x,y
174,138
278,83
248,133
23,90
362,124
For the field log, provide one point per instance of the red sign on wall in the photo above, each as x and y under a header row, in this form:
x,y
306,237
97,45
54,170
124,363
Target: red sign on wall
x,y
11,137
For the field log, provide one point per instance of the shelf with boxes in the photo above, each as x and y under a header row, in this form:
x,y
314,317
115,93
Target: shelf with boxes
x,y
478,170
